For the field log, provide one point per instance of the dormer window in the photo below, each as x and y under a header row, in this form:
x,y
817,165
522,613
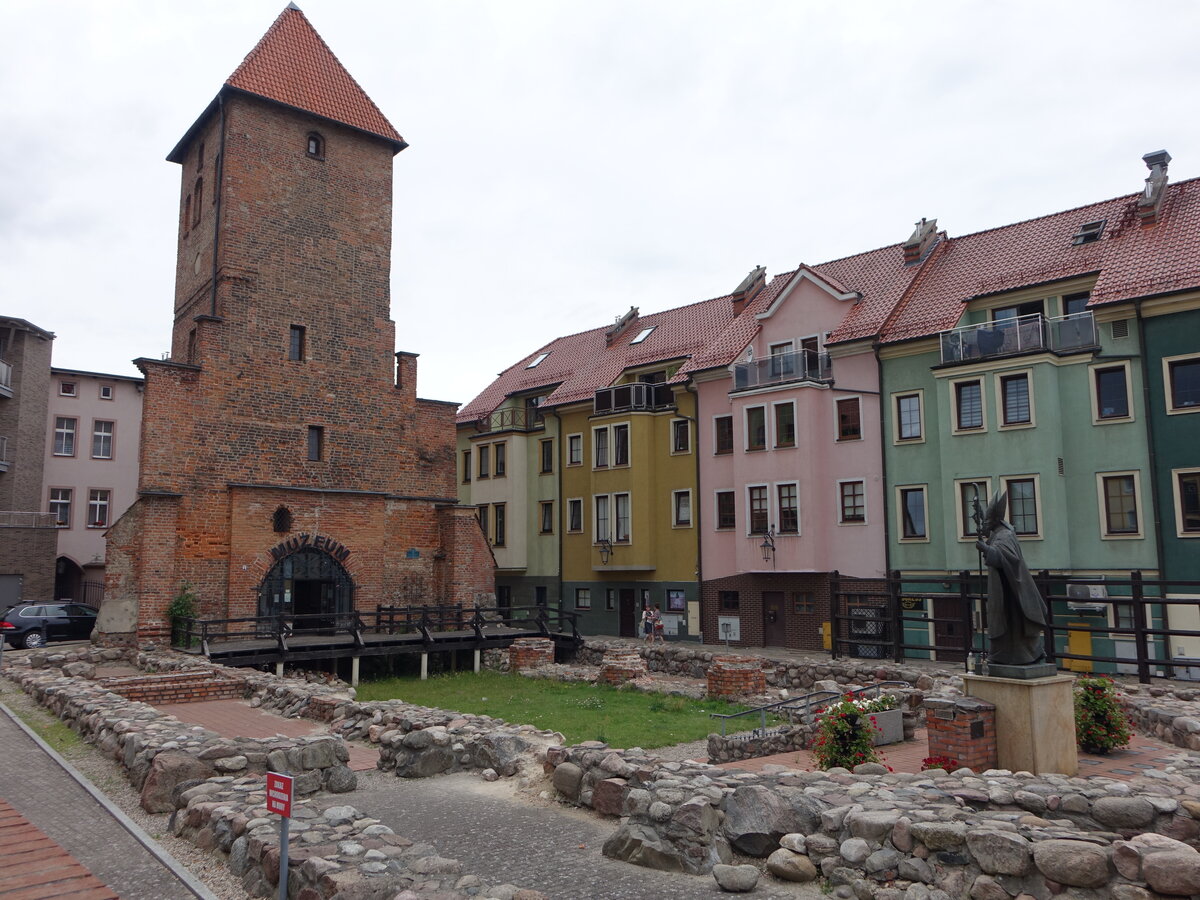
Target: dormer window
x,y
1088,233
538,360
316,145
643,334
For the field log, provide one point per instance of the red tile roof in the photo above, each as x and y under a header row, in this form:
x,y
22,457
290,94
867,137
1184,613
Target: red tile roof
x,y
579,364
1129,260
292,65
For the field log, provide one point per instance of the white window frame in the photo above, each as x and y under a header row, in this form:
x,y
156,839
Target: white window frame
x,y
675,498
960,514
732,435
106,503
687,430
570,530
597,536
919,393
1175,473
542,505
69,502
750,508
111,434
628,537
775,445
571,446
68,389
717,526
106,391
1102,507
612,445
746,429
773,501
841,509
1093,374
983,412
837,424
998,384
583,598
610,599
608,449
1173,410
900,489
1037,501
73,431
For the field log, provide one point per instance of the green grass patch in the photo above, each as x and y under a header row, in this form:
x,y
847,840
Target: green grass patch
x,y
582,712
51,730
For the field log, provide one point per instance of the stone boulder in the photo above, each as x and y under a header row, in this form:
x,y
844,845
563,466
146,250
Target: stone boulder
x,y
736,879
1073,863
791,866
756,818
170,769
1173,871
506,753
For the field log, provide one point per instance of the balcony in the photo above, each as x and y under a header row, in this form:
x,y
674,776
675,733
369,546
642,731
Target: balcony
x,y
799,365
5,379
21,519
518,419
637,396
1023,334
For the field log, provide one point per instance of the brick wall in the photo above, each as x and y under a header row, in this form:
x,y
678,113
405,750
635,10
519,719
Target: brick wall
x,y
530,653
186,687
300,242
730,676
963,730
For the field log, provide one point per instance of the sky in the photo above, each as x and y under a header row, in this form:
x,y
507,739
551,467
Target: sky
x,y
569,160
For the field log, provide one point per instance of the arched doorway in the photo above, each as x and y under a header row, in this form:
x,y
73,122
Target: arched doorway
x,y
68,580
310,584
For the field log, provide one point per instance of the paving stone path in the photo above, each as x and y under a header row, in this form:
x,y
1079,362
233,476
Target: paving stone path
x,y
505,838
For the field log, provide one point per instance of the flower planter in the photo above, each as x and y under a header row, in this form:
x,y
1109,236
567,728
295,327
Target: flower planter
x,y
890,723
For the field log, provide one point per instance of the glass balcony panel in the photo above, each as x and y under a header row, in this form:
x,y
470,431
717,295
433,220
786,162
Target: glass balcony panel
x,y
1021,334
799,365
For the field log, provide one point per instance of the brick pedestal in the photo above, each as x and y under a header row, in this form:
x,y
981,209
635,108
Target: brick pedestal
x,y
731,676
621,664
962,729
182,687
530,653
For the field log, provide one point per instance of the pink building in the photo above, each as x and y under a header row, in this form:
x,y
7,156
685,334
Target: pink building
x,y
789,462
90,473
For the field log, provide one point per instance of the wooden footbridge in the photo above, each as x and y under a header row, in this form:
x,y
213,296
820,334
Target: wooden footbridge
x,y
388,631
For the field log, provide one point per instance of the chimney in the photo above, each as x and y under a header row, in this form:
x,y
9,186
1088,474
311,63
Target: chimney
x,y
620,325
748,289
1150,203
920,242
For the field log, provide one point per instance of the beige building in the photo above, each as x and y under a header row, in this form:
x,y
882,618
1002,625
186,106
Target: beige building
x,y
90,473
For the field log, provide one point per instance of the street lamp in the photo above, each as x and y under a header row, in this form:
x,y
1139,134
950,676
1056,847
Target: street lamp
x,y
606,549
768,546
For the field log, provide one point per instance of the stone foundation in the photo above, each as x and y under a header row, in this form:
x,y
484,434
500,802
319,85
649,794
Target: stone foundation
x,y
530,653
622,664
735,676
184,687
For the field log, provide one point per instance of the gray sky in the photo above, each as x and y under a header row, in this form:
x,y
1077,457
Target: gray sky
x,y
569,160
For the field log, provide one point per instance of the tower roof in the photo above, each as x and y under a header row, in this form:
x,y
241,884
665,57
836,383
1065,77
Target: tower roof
x,y
293,66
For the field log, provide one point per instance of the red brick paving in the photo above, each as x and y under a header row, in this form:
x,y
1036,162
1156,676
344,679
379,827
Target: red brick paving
x,y
236,718
34,867
1141,754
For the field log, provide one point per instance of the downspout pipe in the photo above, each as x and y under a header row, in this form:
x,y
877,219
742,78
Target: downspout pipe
x,y
562,512
697,518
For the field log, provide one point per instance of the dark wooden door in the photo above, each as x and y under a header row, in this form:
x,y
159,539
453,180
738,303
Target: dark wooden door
x,y
774,619
949,636
628,613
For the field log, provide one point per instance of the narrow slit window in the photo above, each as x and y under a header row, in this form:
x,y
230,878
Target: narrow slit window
x,y
316,146
316,442
296,342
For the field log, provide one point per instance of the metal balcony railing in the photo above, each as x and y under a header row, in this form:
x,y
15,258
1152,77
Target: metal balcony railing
x,y
799,365
1021,334
513,419
633,396
19,518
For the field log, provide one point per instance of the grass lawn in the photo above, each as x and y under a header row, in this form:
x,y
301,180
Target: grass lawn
x,y
582,712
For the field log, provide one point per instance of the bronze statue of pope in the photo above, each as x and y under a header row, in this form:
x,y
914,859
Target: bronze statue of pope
x,y
1016,613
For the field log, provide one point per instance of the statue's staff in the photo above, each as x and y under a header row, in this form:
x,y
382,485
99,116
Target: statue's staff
x,y
980,531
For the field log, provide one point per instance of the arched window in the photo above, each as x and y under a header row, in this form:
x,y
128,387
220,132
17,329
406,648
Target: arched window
x,y
316,145
198,193
281,521
187,213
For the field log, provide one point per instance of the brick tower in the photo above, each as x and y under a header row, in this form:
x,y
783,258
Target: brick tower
x,y
287,465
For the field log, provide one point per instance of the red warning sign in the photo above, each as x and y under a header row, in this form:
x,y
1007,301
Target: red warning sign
x,y
279,794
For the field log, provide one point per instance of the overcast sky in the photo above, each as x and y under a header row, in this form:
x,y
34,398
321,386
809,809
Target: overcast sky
x,y
569,160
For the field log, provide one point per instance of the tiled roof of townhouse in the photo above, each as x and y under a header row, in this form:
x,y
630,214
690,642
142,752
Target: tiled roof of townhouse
x,y
1130,260
292,65
578,364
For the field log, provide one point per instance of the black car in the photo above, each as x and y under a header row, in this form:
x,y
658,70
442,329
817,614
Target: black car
x,y
33,624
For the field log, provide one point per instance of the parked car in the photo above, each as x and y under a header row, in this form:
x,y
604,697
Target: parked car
x,y
34,624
